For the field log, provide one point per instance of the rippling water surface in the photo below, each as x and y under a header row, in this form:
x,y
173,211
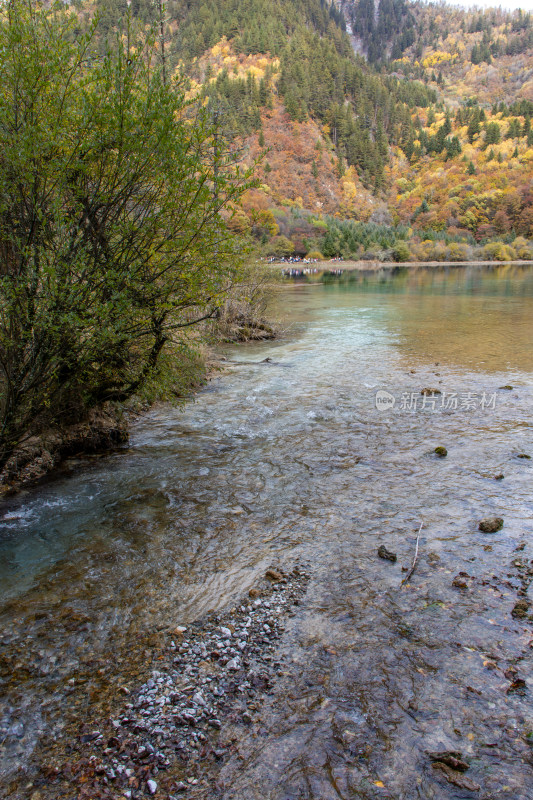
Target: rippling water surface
x,y
290,458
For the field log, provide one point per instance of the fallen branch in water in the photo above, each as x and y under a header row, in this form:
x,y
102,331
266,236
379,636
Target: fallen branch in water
x,y
415,558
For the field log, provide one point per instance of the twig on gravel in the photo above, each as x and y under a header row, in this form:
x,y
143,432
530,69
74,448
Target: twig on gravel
x,y
413,565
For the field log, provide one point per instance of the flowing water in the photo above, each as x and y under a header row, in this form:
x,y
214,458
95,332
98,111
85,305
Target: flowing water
x,y
290,459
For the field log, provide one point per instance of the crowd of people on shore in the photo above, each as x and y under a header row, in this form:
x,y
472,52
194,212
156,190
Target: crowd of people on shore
x,y
297,272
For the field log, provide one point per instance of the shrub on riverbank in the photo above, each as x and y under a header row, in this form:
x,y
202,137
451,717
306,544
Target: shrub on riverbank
x,y
112,237
498,251
242,317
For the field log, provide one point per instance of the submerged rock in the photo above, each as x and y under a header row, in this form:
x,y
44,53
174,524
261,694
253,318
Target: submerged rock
x,y
507,386
441,452
456,777
386,554
453,758
459,583
491,524
517,686
520,609
430,391
273,575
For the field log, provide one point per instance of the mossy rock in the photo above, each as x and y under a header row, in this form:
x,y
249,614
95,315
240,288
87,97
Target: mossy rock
x,y
441,452
491,525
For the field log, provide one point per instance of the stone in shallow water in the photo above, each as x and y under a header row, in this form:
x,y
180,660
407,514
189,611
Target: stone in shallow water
x,y
453,758
491,524
441,452
520,609
273,575
455,777
386,554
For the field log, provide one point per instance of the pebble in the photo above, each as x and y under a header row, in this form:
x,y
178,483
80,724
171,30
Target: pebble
x,y
152,786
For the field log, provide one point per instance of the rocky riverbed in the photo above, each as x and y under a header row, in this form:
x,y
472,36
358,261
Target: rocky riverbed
x,y
169,735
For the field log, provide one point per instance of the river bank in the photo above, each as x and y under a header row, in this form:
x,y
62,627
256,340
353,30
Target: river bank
x,y
339,265
106,427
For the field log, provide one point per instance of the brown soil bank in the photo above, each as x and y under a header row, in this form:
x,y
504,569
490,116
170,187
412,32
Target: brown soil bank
x,y
103,429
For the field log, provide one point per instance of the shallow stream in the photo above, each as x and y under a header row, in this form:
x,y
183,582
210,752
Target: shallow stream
x,y
289,459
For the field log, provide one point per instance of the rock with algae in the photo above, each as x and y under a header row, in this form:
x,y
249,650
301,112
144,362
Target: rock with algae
x,y
491,524
386,554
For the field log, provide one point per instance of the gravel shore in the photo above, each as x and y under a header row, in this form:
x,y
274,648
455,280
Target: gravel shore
x,y
171,734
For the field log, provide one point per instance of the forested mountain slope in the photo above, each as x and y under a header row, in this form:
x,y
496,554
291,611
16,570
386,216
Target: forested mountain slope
x,y
394,112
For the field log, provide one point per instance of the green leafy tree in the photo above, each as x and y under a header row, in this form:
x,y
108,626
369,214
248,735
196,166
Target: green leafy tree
x,y
111,233
401,251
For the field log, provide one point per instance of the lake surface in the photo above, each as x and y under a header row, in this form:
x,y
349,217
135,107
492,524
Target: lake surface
x,y
290,459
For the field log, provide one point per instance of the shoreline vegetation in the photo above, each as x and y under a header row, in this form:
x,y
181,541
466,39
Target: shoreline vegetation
x,y
106,427
118,263
183,370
